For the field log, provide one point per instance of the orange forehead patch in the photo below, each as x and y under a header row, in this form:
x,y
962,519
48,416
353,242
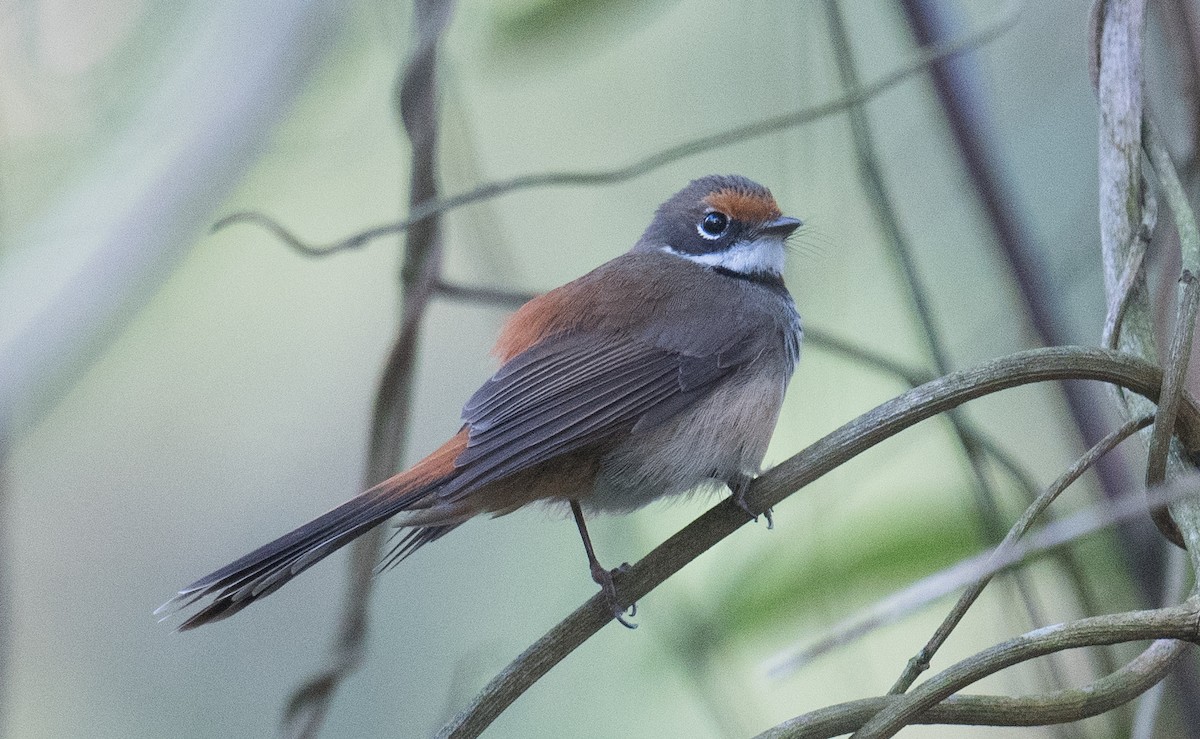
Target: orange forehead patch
x,y
747,207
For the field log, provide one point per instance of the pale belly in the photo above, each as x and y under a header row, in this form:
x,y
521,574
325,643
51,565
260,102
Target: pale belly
x,y
723,437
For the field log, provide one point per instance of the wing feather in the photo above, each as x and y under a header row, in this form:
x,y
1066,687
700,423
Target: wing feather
x,y
573,390
555,365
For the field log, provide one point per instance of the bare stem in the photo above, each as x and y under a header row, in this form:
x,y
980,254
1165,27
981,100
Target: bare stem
x,y
1101,696
1161,454
1178,622
418,111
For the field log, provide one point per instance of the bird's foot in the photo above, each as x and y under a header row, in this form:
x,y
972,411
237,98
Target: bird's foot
x,y
739,488
604,578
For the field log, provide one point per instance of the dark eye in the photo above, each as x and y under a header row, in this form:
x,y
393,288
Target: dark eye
x,y
713,224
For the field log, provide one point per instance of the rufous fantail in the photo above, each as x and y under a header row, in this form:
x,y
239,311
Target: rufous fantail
x,y
655,374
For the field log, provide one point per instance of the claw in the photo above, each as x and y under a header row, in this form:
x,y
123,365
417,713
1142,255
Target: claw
x,y
739,498
739,487
604,578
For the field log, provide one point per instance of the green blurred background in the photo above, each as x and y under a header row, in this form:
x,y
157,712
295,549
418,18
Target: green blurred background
x,y
175,398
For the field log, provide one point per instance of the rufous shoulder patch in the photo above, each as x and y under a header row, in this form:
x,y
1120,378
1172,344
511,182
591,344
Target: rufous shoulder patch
x,y
537,319
744,205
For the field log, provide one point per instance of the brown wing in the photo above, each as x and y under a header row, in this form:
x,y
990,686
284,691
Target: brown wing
x,y
573,390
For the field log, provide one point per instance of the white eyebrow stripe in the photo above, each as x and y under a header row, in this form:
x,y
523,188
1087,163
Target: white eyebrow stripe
x,y
764,254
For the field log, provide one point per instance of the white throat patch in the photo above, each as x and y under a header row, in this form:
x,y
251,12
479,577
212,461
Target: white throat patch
x,y
764,254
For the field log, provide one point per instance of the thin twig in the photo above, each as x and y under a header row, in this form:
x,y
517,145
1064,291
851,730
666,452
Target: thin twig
x,y
495,296
770,488
418,110
871,176
1178,622
1101,696
920,662
642,166
1181,343
1131,274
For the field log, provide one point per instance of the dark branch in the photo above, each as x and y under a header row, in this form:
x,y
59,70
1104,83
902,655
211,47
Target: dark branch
x,y
1101,696
418,111
1179,622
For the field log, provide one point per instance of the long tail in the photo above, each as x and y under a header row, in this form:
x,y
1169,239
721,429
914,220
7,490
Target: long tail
x,y
268,568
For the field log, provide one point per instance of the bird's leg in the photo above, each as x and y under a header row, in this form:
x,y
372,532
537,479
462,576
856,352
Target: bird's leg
x,y
601,576
738,486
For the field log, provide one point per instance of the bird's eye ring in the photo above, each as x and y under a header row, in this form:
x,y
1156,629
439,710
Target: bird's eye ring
x,y
713,224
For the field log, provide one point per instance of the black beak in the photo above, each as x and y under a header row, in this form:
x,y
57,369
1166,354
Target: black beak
x,y
781,226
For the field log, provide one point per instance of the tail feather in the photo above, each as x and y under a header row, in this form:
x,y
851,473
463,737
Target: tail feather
x,y
268,568
413,540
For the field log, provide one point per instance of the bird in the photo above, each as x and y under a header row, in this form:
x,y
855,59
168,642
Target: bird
x,y
658,373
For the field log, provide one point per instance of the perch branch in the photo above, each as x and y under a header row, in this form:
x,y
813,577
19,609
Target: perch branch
x,y
773,486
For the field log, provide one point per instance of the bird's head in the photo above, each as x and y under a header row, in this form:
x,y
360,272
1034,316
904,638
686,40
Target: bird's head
x,y
725,222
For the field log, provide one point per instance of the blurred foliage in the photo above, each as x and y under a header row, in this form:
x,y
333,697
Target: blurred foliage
x,y
521,28
885,548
